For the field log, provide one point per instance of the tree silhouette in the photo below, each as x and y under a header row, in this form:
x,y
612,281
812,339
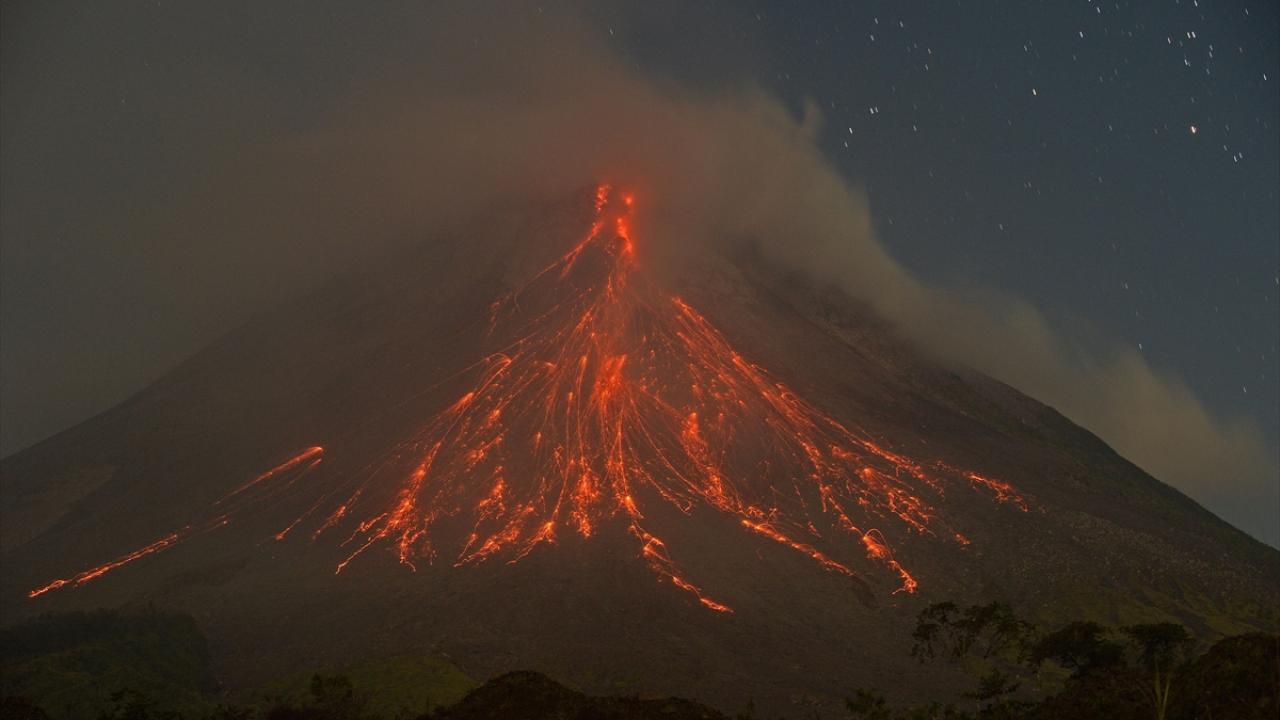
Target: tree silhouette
x,y
1162,650
1081,647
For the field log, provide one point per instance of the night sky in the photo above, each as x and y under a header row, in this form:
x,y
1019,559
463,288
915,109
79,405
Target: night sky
x,y
1115,164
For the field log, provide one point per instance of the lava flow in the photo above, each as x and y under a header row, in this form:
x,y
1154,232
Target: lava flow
x,y
613,398
246,496
612,402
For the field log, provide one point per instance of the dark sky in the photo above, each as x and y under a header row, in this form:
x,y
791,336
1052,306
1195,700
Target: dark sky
x,y
1114,164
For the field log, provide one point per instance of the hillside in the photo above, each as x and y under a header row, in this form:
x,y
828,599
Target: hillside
x,y
748,482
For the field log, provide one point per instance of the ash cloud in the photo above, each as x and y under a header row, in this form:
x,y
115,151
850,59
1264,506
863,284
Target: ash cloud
x,y
166,174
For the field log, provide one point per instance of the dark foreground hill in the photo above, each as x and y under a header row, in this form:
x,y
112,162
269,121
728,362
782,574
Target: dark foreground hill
x,y
149,665
532,695
529,447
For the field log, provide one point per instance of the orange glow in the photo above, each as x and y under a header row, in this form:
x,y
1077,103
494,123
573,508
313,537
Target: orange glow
x,y
609,404
1003,491
288,472
99,571
287,465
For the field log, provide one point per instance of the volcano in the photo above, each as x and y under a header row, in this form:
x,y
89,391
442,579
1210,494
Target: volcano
x,y
535,449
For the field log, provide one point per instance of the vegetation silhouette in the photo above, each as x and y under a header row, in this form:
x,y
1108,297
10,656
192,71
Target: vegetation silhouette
x,y
153,665
1135,672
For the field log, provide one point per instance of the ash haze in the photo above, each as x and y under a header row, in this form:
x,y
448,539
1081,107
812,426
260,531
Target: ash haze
x,y
168,172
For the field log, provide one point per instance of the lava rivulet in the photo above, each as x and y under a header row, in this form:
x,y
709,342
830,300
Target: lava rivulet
x,y
611,400
252,493
611,403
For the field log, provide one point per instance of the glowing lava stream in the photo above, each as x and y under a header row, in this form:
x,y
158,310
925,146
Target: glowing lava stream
x,y
251,493
612,400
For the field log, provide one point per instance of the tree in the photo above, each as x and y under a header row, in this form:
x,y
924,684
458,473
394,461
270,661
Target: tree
x,y
131,704
988,630
336,698
983,631
16,708
933,631
230,712
1162,650
332,698
993,688
1081,647
1239,677
868,705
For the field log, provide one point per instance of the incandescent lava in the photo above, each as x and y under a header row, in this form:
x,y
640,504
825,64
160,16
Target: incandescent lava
x,y
606,400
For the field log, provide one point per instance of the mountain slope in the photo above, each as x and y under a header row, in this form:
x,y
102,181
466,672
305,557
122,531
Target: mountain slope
x,y
660,479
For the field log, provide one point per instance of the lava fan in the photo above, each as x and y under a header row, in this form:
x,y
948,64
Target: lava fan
x,y
603,400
